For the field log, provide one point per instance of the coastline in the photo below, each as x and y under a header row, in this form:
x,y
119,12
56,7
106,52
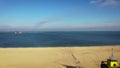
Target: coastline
x,y
56,57
63,46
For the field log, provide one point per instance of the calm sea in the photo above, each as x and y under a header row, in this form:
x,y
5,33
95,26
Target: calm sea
x,y
62,39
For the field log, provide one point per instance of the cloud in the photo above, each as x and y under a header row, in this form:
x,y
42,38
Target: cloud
x,y
95,1
110,3
36,26
106,2
45,21
52,19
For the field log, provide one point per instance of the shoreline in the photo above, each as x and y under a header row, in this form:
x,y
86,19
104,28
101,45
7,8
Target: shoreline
x,y
64,46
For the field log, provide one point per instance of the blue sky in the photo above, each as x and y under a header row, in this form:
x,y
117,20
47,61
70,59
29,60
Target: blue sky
x,y
59,15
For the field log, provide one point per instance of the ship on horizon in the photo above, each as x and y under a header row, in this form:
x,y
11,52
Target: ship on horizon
x,y
17,32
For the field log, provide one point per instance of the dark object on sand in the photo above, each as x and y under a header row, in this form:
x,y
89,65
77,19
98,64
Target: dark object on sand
x,y
68,66
112,62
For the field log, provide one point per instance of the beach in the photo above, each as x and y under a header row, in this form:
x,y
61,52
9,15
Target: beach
x,y
57,57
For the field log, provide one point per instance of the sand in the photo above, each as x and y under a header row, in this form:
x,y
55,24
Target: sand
x,y
56,57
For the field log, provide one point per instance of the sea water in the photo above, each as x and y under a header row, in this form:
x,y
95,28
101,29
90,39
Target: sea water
x,y
59,39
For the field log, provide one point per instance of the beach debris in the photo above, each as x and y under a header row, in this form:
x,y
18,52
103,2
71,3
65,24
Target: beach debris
x,y
112,62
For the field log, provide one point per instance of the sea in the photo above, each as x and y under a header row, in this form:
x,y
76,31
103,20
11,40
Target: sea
x,y
59,39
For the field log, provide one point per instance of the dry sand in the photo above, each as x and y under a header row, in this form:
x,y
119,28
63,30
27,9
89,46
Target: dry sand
x,y
56,57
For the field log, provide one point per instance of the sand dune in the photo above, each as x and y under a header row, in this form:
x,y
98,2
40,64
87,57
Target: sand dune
x,y
56,57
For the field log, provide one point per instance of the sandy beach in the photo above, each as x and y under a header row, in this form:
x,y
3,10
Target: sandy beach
x,y
56,57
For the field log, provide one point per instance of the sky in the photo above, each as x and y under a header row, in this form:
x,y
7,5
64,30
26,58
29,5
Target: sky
x,y
59,15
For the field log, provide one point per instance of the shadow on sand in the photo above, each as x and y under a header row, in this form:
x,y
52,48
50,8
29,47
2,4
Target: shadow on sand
x,y
68,66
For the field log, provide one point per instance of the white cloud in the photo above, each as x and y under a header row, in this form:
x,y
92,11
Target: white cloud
x,y
110,3
95,1
106,2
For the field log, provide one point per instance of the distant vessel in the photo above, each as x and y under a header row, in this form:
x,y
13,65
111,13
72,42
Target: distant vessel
x,y
17,32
